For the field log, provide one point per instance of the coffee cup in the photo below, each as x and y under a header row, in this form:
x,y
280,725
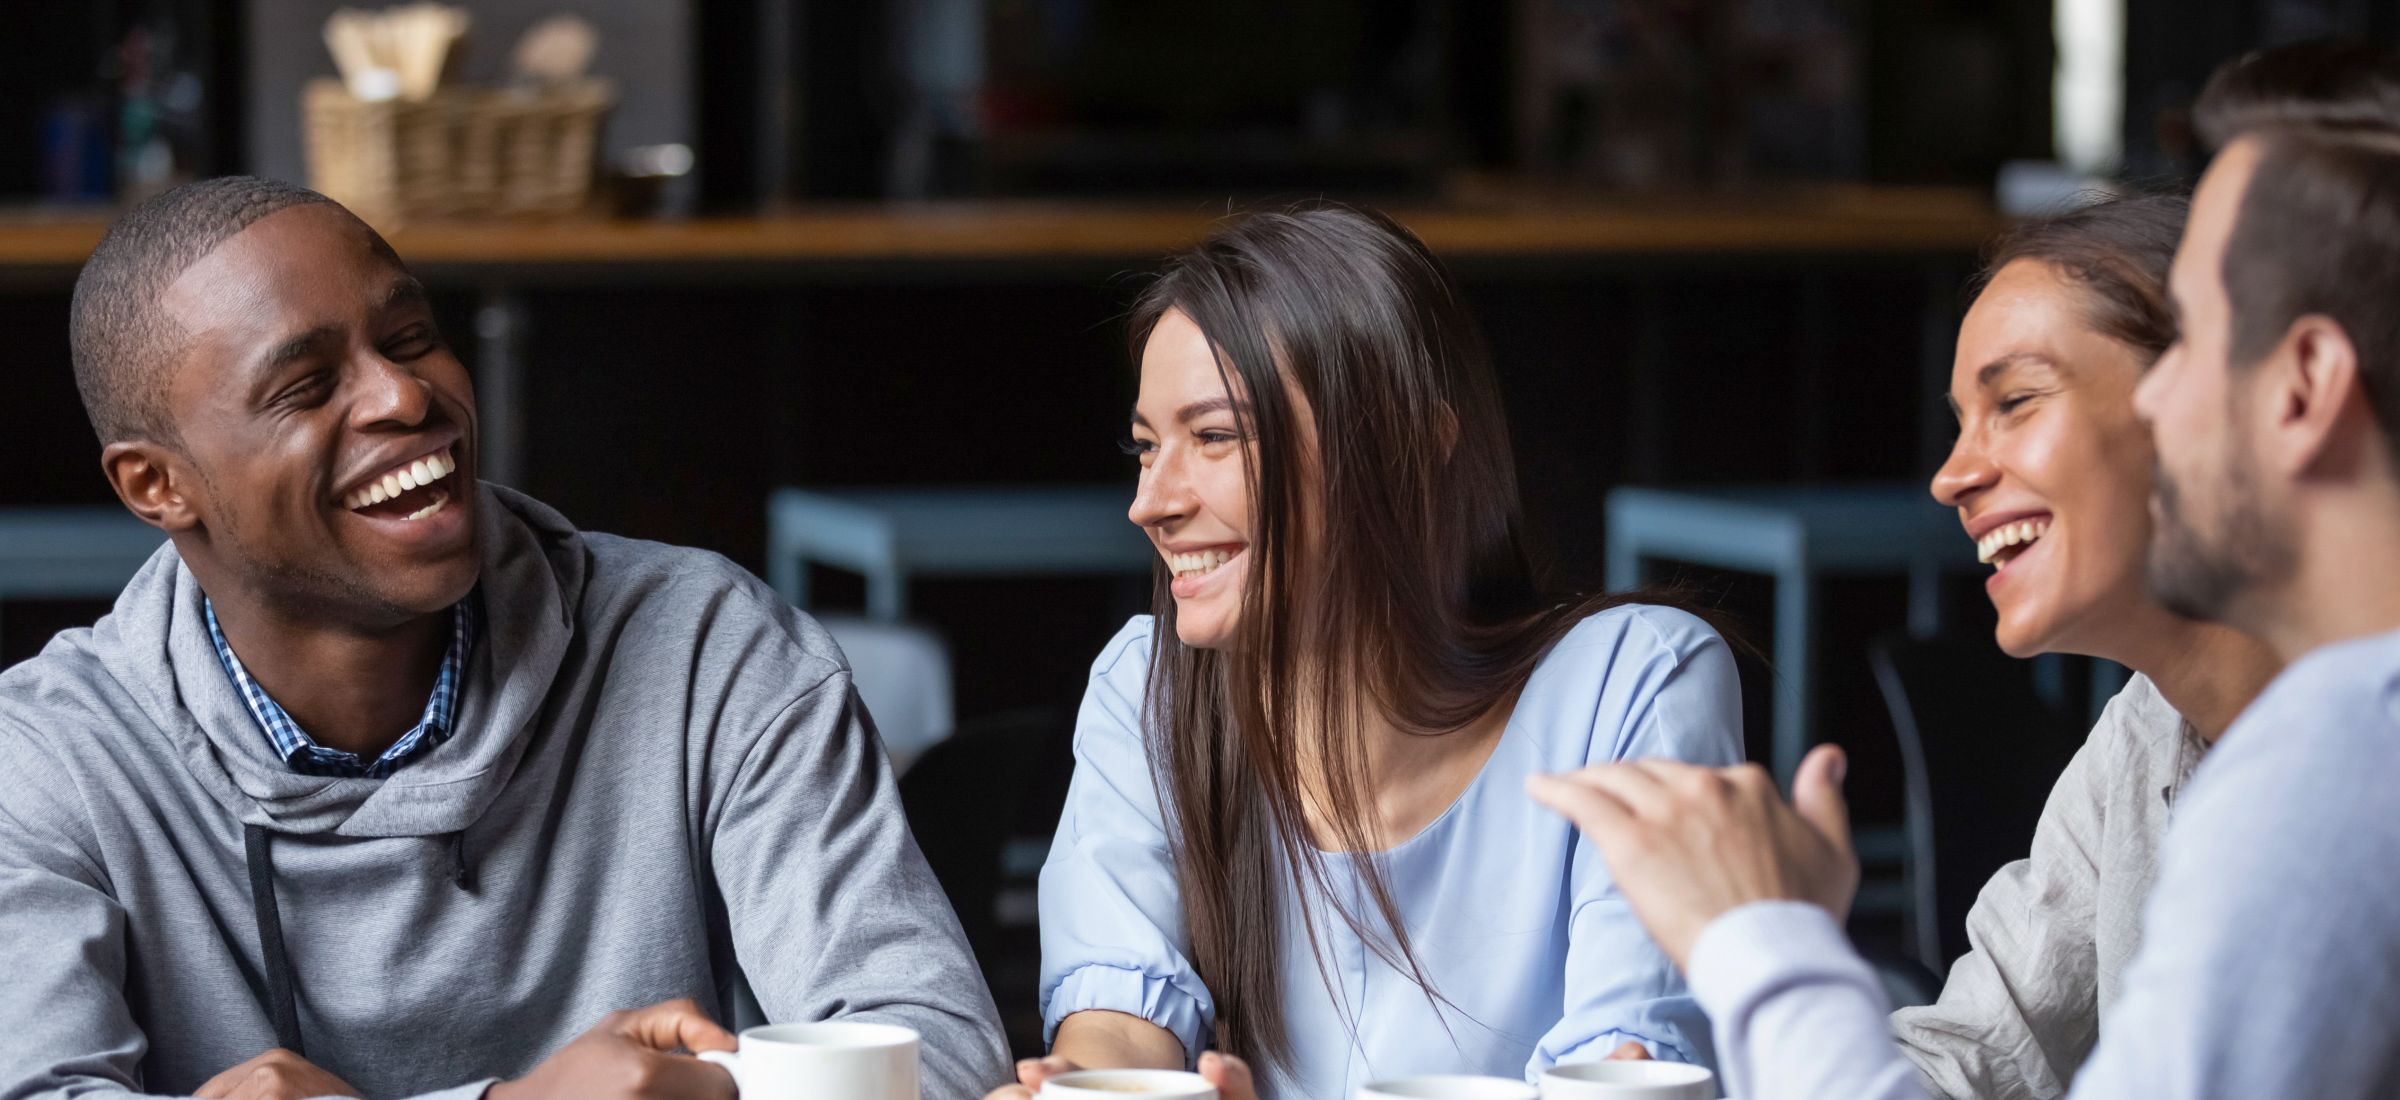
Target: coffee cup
x,y
1630,1079
1116,1084
1447,1086
828,1061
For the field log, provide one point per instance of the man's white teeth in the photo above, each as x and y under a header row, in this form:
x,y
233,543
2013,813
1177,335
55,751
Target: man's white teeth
x,y
430,509
2007,535
422,472
1185,565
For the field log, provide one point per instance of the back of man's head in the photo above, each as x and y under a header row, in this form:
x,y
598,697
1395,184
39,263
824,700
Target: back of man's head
x,y
2325,83
123,345
2318,232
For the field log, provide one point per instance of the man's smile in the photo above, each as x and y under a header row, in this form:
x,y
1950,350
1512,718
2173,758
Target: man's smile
x,y
407,490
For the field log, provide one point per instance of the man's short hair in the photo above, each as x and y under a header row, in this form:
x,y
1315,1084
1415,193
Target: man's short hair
x,y
2318,232
123,346
2326,83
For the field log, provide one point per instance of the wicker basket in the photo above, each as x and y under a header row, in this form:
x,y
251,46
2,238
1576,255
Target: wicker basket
x,y
464,153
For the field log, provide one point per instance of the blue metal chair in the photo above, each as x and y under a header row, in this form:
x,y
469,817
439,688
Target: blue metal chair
x,y
1797,535
890,535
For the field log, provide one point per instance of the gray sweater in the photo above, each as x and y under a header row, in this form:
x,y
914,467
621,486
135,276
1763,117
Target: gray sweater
x,y
2052,934
660,780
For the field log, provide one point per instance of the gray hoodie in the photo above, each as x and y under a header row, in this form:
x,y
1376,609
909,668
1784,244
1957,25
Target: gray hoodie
x,y
660,782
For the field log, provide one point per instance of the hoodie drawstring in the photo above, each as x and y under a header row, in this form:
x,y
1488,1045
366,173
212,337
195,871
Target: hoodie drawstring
x,y
282,1000
462,873
282,1007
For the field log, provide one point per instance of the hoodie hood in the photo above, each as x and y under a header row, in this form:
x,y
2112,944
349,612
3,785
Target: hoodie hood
x,y
531,585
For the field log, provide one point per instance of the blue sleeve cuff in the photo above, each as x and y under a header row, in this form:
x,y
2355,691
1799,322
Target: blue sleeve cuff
x,y
1662,1048
1119,989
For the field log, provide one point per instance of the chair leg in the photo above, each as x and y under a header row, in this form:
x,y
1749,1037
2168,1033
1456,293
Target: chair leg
x,y
787,575
1795,646
887,594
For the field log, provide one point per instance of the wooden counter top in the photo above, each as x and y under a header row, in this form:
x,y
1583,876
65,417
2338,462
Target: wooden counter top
x,y
1831,220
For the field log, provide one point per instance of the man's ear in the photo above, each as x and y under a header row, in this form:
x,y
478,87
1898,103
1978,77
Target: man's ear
x,y
154,482
2313,403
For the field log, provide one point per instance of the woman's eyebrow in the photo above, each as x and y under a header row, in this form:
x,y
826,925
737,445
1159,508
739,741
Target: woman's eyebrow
x,y
1193,411
1992,371
1198,409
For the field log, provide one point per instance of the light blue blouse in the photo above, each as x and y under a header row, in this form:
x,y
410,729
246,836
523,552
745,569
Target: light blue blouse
x,y
1513,917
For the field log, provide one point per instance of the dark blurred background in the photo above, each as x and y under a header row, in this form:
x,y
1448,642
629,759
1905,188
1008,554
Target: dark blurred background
x,y
850,245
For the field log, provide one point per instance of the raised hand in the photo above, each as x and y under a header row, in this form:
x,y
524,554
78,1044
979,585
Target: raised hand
x,y
1688,844
632,1055
278,1074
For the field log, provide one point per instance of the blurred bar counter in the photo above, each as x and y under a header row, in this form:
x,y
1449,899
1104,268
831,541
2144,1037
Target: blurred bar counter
x,y
1491,229
1493,225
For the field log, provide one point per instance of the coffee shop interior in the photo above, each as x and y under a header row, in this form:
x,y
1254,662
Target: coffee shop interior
x,y
837,289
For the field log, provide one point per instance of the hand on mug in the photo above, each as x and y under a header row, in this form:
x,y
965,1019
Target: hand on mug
x,y
1629,1051
278,1074
628,1055
1688,844
1229,1074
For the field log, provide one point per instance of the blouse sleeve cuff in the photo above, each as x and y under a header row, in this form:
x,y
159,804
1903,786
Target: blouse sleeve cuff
x,y
1119,989
1662,1043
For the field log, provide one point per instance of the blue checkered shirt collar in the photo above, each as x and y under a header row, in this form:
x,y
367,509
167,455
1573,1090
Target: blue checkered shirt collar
x,y
302,753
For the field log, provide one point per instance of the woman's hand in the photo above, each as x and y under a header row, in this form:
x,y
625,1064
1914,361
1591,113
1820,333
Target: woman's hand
x,y
1229,1074
1031,1072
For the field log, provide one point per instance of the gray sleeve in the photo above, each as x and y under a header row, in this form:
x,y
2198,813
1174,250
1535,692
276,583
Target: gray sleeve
x,y
2021,1009
833,910
65,1027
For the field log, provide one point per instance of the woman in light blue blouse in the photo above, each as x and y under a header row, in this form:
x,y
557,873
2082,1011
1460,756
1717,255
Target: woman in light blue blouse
x,y
1298,831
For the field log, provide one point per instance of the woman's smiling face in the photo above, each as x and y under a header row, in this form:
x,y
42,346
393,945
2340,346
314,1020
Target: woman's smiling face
x,y
2051,472
1193,498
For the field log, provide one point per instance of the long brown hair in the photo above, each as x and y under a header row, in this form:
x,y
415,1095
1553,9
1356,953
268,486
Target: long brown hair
x,y
1387,576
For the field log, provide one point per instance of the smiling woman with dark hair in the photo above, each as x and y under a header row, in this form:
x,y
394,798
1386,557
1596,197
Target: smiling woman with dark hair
x,y
2051,477
1297,832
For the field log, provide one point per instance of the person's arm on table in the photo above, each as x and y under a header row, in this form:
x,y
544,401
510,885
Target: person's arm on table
x,y
1099,1039
1745,893
833,910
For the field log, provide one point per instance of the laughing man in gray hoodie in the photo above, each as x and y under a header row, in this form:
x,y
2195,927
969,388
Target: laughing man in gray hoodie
x,y
379,781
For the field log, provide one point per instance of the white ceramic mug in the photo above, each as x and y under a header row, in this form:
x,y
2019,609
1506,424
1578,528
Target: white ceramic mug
x,y
1628,1079
1446,1087
828,1061
1116,1084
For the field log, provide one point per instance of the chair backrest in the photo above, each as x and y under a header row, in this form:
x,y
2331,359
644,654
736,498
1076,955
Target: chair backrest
x,y
902,673
1979,751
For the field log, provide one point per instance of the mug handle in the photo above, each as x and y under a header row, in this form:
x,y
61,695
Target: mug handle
x,y
731,1060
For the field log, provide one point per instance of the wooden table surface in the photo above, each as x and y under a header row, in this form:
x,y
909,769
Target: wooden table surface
x,y
1817,220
